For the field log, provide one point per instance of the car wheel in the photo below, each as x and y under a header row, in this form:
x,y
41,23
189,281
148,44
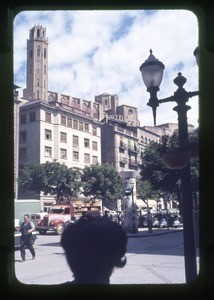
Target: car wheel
x,y
60,229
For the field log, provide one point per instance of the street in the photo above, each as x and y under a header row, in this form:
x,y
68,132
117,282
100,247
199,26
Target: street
x,y
156,259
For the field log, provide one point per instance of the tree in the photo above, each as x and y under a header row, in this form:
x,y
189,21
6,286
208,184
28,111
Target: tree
x,y
50,178
102,182
163,180
144,191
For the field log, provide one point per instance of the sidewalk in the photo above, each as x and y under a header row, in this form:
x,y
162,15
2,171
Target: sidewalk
x,y
143,232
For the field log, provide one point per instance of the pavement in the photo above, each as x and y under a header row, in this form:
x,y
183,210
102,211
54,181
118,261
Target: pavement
x,y
143,232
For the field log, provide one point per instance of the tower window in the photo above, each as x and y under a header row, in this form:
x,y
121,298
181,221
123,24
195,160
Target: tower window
x,y
38,52
37,32
45,53
31,53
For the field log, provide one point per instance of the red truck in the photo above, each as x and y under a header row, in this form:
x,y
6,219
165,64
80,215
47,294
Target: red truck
x,y
62,214
58,217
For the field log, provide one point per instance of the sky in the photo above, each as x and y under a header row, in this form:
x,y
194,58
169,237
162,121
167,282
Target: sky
x,y
96,51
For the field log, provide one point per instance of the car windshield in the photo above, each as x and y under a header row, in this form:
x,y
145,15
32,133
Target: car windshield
x,y
56,210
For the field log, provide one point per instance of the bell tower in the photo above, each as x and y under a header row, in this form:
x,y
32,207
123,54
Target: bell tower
x,y
37,65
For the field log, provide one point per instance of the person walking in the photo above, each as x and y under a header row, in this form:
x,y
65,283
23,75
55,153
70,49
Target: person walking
x,y
93,247
149,220
26,240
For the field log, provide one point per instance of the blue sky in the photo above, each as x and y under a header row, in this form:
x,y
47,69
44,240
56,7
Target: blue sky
x,y
92,52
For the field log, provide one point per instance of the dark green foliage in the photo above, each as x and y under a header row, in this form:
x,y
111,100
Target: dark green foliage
x,y
50,178
160,178
102,182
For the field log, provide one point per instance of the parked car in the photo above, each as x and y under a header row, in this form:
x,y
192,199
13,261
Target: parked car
x,y
177,223
37,217
163,223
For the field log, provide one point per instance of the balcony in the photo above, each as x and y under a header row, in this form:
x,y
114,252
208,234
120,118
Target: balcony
x,y
133,162
133,149
123,160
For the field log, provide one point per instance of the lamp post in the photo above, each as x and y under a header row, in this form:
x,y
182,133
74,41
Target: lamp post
x,y
152,74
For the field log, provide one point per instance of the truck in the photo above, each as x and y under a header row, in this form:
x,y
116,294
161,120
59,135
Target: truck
x,y
62,214
58,217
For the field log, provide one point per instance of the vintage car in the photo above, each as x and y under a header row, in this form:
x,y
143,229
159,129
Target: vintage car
x,y
37,217
17,235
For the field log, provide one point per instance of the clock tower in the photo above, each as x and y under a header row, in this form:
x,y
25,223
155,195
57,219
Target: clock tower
x,y
37,65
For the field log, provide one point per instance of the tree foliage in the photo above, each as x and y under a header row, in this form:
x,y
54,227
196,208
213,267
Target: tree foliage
x,y
96,181
102,182
50,178
145,191
160,178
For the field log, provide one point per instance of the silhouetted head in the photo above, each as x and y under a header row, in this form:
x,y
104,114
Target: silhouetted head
x,y
94,246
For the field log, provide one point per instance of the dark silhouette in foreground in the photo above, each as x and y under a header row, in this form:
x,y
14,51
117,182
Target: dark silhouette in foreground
x,y
94,246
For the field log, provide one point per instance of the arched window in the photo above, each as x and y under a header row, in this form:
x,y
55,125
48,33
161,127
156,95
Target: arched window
x,y
45,53
37,32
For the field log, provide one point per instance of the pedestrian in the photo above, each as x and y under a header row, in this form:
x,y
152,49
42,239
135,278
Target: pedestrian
x,y
120,217
26,239
149,220
93,247
106,214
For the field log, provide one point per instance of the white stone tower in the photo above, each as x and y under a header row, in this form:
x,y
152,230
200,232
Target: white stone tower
x,y
37,65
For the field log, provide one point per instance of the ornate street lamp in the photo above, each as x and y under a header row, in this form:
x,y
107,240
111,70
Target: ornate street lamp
x,y
152,74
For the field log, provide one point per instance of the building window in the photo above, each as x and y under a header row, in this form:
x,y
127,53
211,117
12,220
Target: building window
x,y
94,146
32,116
94,159
48,151
86,143
63,120
44,69
23,137
48,117
48,134
86,158
75,141
75,156
94,130
63,153
86,127
75,124
38,52
23,154
45,52
23,119
69,122
81,126
63,137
